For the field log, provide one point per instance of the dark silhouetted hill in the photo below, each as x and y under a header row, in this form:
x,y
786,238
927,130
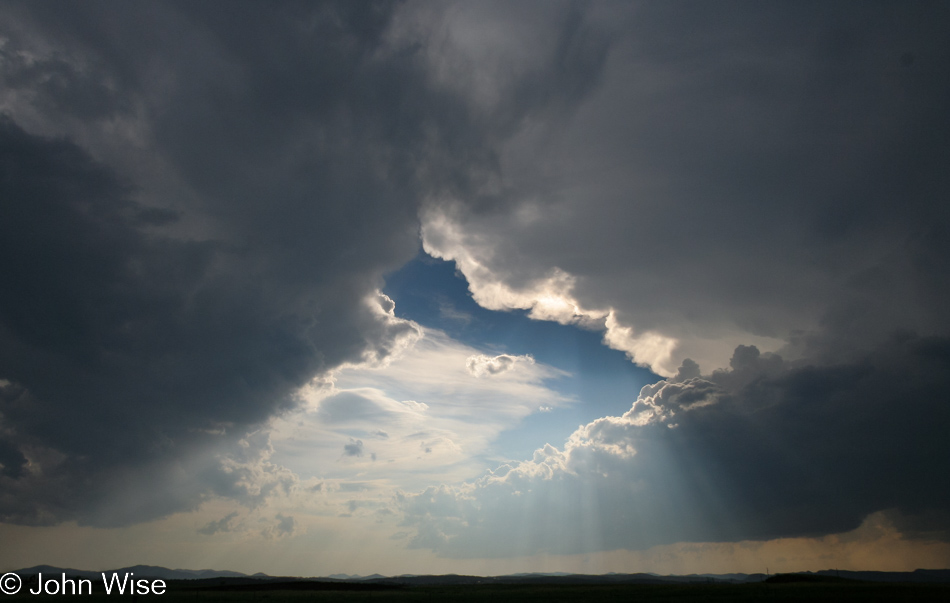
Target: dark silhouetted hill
x,y
228,579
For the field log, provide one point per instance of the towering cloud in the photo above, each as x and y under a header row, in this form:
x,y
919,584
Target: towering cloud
x,y
762,450
740,174
198,207
742,178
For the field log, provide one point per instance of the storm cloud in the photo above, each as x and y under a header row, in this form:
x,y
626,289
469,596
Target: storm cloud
x,y
743,173
766,449
185,252
199,205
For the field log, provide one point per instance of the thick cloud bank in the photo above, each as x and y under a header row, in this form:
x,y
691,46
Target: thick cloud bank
x,y
199,203
742,177
196,214
740,174
762,450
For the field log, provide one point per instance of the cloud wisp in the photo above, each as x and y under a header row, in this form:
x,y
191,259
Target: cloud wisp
x,y
428,414
481,365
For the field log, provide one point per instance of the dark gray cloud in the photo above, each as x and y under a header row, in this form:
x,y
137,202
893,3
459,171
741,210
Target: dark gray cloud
x,y
199,200
353,448
221,525
741,170
199,203
123,348
286,525
765,449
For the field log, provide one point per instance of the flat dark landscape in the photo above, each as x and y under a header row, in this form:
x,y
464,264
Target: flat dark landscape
x,y
301,591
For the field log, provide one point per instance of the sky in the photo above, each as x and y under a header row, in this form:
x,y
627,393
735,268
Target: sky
x,y
309,288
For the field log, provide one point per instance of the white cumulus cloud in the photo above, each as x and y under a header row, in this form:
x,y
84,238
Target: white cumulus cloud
x,y
481,365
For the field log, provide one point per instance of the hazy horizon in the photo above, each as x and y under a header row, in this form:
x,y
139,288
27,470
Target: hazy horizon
x,y
312,288
213,574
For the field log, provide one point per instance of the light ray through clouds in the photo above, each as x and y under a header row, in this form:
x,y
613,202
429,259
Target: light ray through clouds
x,y
413,287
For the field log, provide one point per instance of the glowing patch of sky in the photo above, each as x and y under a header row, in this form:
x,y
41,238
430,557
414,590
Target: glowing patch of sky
x,y
423,418
602,381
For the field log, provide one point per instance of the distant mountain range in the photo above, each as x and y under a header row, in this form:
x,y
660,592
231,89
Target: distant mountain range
x,y
220,578
142,571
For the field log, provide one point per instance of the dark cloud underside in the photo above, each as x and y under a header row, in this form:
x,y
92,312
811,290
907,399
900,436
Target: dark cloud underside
x,y
138,338
199,201
764,450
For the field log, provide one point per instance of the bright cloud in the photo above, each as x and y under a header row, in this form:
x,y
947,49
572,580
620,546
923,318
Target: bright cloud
x,y
481,365
546,298
622,482
427,408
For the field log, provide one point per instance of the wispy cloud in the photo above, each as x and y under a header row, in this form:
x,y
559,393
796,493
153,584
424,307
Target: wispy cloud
x,y
443,437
